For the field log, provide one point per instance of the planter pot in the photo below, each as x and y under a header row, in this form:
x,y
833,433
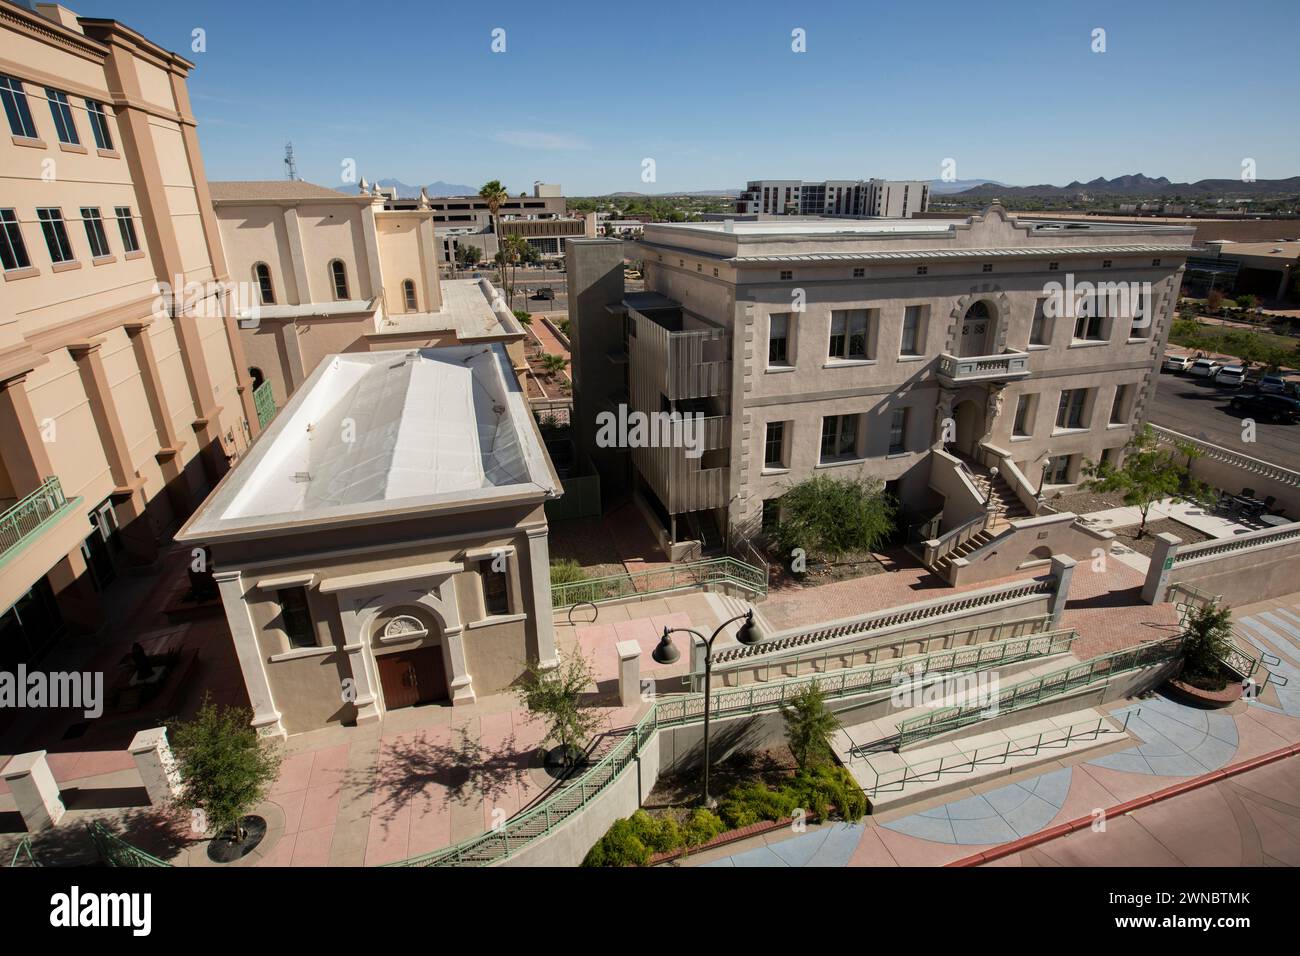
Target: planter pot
x,y
1198,697
224,849
555,764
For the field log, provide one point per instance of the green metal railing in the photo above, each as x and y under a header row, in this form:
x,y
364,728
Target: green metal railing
x,y
520,831
25,517
1027,693
616,587
892,781
1186,597
23,854
115,851
264,402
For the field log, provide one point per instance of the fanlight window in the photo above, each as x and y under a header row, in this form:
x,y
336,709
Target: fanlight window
x,y
404,626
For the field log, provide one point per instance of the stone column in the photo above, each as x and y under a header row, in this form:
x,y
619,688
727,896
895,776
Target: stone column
x,y
1155,589
34,790
363,682
169,442
629,672
1062,571
157,766
26,459
539,572
266,718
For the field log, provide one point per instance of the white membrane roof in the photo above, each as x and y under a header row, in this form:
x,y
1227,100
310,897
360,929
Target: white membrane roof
x,y
376,430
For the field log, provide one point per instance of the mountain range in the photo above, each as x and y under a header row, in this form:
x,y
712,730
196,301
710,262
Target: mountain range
x,y
404,191
1136,185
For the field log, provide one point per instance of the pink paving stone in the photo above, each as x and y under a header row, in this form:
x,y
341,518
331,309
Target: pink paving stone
x,y
871,850
389,833
320,808
64,765
104,761
291,804
430,827
295,772
328,767
282,853
912,851
312,847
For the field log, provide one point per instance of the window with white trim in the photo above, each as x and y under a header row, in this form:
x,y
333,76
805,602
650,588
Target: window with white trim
x,y
62,113
17,110
839,438
13,251
56,234
99,124
95,236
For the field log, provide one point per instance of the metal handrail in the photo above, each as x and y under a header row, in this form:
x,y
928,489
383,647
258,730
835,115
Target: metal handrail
x,y
26,516
967,761
115,851
614,587
1029,692
24,849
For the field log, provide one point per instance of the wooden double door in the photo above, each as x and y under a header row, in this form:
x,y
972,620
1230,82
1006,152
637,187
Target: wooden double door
x,y
412,677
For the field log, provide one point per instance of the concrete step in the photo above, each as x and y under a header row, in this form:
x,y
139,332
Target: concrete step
x,y
894,780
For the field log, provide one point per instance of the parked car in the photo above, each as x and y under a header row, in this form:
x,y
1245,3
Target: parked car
x,y
1271,408
1204,368
545,292
1230,376
1176,363
1273,384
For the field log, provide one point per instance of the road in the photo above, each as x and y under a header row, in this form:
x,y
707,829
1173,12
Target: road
x,y
1193,407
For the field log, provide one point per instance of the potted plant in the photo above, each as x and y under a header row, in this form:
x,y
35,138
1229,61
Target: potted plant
x,y
225,771
554,698
1205,678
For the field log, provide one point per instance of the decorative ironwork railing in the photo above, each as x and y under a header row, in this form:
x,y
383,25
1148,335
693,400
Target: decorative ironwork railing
x,y
725,570
115,851
1186,597
917,613
264,402
1029,692
25,517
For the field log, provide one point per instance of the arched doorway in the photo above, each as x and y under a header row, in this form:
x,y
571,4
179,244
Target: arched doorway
x,y
976,336
256,375
411,667
968,422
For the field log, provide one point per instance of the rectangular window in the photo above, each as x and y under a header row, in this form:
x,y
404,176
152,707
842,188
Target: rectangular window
x,y
778,340
1057,470
56,234
295,617
839,438
1088,325
94,232
859,273
99,124
16,108
1069,413
1141,308
62,113
911,343
848,334
774,445
1020,427
496,590
922,270
1117,408
13,251
126,226
786,275
1038,334
898,431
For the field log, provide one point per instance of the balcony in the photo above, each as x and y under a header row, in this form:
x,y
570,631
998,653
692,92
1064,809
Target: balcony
x,y
960,370
35,533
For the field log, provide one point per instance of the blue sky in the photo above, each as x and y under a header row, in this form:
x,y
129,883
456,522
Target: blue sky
x,y
714,94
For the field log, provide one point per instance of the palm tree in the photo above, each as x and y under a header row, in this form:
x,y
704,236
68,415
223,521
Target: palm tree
x,y
809,727
553,365
494,194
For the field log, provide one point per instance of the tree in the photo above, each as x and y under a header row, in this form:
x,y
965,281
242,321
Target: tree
x,y
1207,641
809,727
553,364
1149,474
494,194
225,770
468,256
1214,301
512,251
830,517
554,698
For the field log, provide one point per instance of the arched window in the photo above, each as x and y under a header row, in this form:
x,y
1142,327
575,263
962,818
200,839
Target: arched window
x,y
408,293
262,273
256,375
339,273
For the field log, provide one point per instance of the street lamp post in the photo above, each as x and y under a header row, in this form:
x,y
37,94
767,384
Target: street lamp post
x,y
666,653
1046,457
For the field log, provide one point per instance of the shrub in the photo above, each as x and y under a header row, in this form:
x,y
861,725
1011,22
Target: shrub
x,y
567,571
633,840
829,517
702,827
809,726
1207,641
754,802
814,790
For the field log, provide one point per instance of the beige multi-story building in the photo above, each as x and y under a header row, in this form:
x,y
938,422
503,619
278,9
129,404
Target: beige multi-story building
x,y
932,354
385,543
331,273
123,387
879,198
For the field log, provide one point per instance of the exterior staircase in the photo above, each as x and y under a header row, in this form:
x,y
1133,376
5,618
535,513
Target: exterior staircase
x,y
1003,508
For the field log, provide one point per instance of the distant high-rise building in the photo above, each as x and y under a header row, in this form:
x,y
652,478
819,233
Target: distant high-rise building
x,y
894,199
